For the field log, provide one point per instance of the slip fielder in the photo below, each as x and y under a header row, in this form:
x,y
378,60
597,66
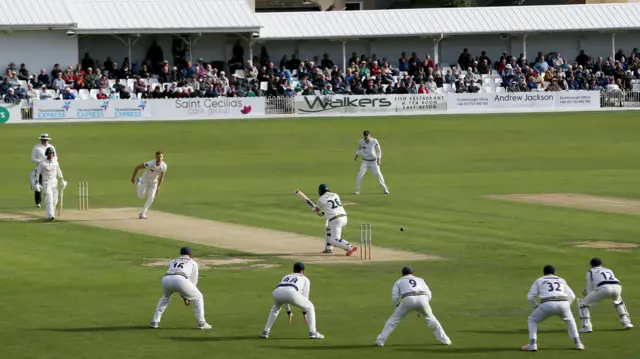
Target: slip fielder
x,y
555,300
150,181
47,173
409,294
602,284
330,206
182,277
294,290
37,156
371,152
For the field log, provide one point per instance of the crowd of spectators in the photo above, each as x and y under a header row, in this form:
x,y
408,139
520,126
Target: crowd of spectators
x,y
260,76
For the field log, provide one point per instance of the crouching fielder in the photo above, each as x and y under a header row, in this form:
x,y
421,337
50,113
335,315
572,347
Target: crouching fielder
x,y
329,205
150,181
294,290
602,284
409,294
182,278
555,300
47,173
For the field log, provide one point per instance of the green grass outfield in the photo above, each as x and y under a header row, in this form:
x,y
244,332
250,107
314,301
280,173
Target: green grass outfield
x,y
71,291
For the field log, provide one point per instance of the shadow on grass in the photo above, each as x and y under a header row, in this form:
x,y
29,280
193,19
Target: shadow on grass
x,y
515,331
446,350
436,348
224,339
98,329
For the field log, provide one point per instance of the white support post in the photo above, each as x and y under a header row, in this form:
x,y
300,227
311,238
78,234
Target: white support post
x,y
436,48
524,45
129,46
251,52
613,45
344,56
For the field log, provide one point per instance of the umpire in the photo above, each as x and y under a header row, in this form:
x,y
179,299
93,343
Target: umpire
x,y
37,155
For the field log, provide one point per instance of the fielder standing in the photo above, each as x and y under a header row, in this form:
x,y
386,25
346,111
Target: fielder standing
x,y
150,181
37,155
371,152
555,300
329,205
47,173
294,290
411,293
602,284
182,277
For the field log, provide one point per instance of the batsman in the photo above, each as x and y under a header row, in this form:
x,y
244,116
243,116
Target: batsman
x,y
47,173
331,208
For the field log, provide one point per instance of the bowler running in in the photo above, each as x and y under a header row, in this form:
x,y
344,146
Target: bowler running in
x,y
602,284
555,300
371,152
294,290
410,294
150,181
331,208
37,156
182,277
47,173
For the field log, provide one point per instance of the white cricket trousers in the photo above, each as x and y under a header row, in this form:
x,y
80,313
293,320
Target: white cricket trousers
x,y
335,233
607,291
150,189
289,295
419,303
50,189
373,165
178,284
552,309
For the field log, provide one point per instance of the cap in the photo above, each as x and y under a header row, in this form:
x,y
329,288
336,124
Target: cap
x,y
595,262
185,251
407,270
44,136
366,132
298,267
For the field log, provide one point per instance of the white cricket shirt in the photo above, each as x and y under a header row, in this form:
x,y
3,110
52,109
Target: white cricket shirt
x,y
598,276
550,286
153,170
49,170
330,204
298,282
184,266
407,285
369,151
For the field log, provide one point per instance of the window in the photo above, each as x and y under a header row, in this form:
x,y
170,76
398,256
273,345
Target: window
x,y
354,5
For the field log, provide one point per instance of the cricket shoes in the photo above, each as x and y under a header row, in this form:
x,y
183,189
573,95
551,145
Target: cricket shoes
x,y
142,216
356,192
386,192
153,325
579,346
204,326
38,205
50,219
585,330
352,251
530,348
379,344
316,335
265,334
448,342
328,250
628,326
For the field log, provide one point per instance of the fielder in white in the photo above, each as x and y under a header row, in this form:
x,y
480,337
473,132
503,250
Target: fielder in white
x,y
294,290
37,156
371,152
150,181
331,208
47,173
602,284
555,300
182,277
409,294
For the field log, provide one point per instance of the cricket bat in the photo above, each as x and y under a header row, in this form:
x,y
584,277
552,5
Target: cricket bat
x,y
61,203
304,197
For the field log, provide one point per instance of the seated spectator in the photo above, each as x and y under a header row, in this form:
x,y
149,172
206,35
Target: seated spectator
x,y
101,95
124,94
573,84
21,92
167,93
483,67
531,84
139,85
553,86
45,94
472,88
59,83
103,83
31,94
13,80
68,95
11,97
114,94
43,78
431,85
423,90
5,86
541,65
35,83
148,93
461,87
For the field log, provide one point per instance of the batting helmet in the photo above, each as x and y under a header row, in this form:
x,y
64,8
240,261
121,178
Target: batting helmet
x,y
49,150
323,188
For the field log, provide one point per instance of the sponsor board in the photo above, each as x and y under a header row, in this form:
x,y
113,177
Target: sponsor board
x,y
208,108
10,112
89,109
577,100
321,105
421,103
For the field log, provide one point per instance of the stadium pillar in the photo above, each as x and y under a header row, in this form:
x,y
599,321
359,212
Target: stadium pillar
x,y
524,45
613,45
344,56
436,48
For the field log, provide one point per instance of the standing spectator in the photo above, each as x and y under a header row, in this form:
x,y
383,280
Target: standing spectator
x,y
23,73
583,58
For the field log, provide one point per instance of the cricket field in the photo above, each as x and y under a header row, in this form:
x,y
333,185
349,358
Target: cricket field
x,y
486,202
